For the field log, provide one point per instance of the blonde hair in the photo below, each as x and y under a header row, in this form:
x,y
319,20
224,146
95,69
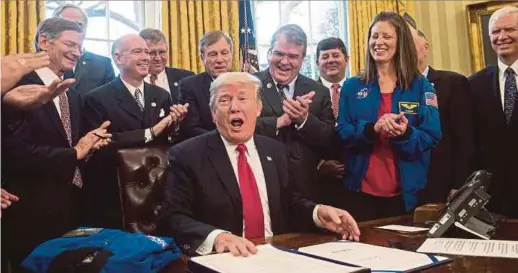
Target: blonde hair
x,y
233,78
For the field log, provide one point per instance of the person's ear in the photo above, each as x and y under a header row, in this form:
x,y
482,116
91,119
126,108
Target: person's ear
x,y
43,42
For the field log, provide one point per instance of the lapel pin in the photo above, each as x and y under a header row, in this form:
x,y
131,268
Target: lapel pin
x,y
175,83
268,158
153,104
269,85
432,84
84,62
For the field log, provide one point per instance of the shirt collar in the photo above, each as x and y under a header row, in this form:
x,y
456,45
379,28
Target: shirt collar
x,y
291,85
47,76
132,88
425,72
231,147
502,67
159,76
328,83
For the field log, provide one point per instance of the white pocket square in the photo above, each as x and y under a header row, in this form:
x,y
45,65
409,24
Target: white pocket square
x,y
162,113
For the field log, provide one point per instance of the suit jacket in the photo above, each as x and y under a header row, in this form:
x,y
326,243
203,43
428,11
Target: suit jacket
x,y
202,192
92,71
496,145
38,166
115,103
174,75
195,91
452,161
305,145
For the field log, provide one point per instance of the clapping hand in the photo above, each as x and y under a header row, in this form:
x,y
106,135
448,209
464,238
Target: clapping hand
x,y
32,96
298,109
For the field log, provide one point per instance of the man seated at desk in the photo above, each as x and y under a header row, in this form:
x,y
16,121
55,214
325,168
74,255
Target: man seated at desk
x,y
229,185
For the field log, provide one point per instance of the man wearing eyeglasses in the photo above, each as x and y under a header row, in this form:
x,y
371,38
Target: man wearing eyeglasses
x,y
91,70
167,78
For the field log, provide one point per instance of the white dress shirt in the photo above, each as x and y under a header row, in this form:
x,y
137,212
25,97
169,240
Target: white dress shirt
x,y
501,77
147,133
161,80
47,76
253,159
329,84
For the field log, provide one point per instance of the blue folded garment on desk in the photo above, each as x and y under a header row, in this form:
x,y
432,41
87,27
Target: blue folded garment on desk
x,y
92,250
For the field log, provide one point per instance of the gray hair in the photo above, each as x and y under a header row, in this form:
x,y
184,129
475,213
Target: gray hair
x,y
57,12
152,35
293,33
53,27
233,78
499,14
213,37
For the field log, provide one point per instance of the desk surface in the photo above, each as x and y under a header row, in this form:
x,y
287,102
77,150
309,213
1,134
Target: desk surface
x,y
370,235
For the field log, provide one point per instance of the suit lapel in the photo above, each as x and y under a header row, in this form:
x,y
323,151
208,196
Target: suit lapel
x,y
300,88
271,179
151,105
81,68
50,108
218,157
73,101
126,101
495,86
433,77
207,79
271,95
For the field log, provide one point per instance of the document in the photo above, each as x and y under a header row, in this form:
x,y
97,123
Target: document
x,y
270,259
403,228
471,247
376,258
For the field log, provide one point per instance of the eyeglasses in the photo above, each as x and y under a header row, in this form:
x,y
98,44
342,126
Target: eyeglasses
x,y
162,53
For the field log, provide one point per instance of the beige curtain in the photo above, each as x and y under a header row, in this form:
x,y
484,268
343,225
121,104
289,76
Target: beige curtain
x,y
185,21
361,14
19,21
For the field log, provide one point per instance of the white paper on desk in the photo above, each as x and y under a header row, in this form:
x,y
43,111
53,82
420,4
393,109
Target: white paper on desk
x,y
269,259
377,258
471,247
403,228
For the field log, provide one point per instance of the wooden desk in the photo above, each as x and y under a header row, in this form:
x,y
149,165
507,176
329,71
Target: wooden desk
x,y
370,235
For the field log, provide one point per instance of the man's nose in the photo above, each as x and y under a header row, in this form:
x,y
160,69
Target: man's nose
x,y
234,106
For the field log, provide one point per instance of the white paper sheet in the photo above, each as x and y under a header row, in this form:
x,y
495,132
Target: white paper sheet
x,y
403,228
471,247
374,257
269,259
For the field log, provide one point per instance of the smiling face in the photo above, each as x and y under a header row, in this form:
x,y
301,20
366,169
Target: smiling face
x,y
383,42
332,63
158,56
285,60
504,38
64,51
217,58
235,111
132,57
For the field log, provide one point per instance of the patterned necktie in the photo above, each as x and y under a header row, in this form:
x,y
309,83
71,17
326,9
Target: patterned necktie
x,y
335,98
252,208
64,108
153,78
137,96
510,94
282,90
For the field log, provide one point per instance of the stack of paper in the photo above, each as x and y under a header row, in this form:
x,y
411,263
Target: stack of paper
x,y
268,259
471,247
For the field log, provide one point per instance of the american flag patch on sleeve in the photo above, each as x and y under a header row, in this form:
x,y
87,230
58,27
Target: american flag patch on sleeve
x,y
431,99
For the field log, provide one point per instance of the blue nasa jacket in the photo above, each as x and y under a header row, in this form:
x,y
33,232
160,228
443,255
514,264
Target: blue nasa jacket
x,y
358,112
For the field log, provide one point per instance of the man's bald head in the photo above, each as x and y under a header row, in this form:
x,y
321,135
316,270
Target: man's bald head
x,y
131,55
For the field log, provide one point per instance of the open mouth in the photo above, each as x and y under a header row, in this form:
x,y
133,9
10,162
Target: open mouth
x,y
236,123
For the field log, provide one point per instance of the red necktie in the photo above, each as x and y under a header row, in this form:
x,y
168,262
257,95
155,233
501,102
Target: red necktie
x,y
153,78
252,208
335,98
64,107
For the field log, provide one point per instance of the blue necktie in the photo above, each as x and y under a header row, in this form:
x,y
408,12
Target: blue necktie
x,y
510,94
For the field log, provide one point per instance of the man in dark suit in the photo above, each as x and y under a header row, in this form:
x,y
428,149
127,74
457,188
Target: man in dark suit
x,y
216,54
452,161
92,70
140,115
167,78
229,184
41,160
296,109
496,113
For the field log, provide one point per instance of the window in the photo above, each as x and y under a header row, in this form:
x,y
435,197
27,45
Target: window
x,y
319,19
109,20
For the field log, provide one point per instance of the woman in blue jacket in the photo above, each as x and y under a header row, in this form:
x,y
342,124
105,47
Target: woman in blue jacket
x,y
389,122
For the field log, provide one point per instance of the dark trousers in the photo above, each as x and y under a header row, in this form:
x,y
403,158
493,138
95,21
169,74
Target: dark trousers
x,y
365,207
